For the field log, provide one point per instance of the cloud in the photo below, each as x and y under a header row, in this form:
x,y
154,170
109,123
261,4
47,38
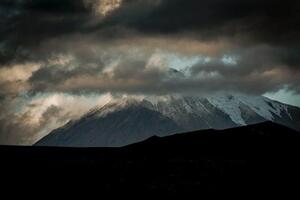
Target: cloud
x,y
104,7
255,70
242,22
37,116
28,23
70,50
252,20
13,78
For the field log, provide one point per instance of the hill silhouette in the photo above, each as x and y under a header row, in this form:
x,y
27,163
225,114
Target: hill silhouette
x,y
256,158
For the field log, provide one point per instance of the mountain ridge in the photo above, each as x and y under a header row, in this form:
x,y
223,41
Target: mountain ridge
x,y
173,114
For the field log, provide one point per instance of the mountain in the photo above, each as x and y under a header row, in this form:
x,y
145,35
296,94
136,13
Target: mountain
x,y
132,119
253,159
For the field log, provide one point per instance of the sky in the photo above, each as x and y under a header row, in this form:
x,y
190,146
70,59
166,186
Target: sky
x,y
61,58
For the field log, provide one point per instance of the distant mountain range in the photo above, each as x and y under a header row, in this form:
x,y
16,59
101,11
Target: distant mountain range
x,y
132,119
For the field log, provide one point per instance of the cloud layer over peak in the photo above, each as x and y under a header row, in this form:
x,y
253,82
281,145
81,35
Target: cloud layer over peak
x,y
93,47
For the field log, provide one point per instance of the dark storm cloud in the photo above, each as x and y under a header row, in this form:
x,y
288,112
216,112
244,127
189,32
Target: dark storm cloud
x,y
49,76
268,21
33,21
263,36
255,70
56,6
257,58
39,29
130,75
290,56
28,23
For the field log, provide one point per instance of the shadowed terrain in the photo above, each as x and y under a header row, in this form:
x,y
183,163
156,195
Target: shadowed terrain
x,y
255,158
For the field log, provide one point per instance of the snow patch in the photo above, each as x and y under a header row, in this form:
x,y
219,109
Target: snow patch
x,y
177,107
230,105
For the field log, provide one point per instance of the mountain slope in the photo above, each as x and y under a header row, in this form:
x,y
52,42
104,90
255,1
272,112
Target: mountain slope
x,y
131,119
130,124
221,111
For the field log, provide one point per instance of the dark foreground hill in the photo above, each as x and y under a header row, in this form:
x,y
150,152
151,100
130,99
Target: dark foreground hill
x,y
245,160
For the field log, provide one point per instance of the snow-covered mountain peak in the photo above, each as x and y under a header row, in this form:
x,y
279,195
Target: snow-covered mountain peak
x,y
234,105
116,105
129,119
